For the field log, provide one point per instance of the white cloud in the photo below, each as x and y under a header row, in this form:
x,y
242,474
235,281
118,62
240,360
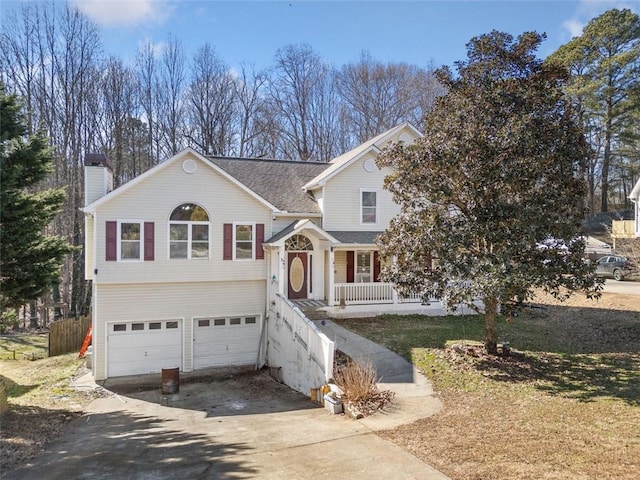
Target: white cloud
x,y
573,27
156,47
124,12
587,10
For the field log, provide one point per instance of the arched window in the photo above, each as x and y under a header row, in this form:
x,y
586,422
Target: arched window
x,y
298,243
189,232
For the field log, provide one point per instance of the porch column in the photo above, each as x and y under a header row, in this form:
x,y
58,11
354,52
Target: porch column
x,y
332,271
282,269
394,292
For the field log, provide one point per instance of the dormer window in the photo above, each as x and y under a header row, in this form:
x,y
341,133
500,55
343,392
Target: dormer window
x,y
189,232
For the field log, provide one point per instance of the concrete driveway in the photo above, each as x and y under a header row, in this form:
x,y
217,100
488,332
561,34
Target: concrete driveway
x,y
238,425
626,287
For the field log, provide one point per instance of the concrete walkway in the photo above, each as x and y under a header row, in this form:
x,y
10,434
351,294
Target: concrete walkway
x,y
414,396
237,425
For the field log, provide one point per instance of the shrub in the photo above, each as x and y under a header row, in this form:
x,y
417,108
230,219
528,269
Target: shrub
x,y
357,380
9,320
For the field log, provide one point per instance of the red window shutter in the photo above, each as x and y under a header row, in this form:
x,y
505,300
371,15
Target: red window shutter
x,y
350,266
259,241
149,241
111,244
227,242
376,266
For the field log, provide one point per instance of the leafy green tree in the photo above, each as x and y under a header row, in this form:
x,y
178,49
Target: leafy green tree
x,y
30,260
605,85
492,192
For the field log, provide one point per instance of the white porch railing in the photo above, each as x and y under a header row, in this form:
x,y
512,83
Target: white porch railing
x,y
363,293
370,294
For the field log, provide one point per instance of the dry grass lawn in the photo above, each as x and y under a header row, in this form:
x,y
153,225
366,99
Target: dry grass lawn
x,y
40,394
565,405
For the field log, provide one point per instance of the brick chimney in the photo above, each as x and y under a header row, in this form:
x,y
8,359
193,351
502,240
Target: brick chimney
x,y
98,177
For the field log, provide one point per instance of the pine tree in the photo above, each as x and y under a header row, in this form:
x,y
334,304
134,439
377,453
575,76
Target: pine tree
x,y
30,260
493,190
605,88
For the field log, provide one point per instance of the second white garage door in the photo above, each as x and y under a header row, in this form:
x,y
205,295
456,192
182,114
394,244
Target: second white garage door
x,y
219,341
143,347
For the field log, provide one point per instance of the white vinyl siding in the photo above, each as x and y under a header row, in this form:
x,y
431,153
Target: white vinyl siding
x,y
225,203
343,199
89,252
147,302
340,260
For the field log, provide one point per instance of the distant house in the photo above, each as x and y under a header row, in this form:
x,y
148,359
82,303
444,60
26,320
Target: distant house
x,y
634,196
186,258
628,228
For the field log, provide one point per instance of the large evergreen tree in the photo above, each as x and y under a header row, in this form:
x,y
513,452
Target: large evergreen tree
x,y
493,192
30,260
605,87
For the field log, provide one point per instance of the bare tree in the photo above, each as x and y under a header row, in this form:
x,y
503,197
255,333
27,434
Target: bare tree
x,y
146,71
49,56
170,97
380,96
298,95
211,103
119,110
18,58
251,104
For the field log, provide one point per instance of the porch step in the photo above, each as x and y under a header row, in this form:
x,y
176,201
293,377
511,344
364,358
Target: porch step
x,y
311,308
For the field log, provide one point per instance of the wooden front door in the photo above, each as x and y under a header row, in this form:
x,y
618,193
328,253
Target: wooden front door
x,y
297,273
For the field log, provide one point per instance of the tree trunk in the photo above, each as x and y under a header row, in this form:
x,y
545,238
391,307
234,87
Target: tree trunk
x,y
33,317
491,335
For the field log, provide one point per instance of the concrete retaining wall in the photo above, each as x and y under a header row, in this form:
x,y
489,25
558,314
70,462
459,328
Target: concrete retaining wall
x,y
295,345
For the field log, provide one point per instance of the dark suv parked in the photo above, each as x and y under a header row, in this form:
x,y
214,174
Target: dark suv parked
x,y
614,266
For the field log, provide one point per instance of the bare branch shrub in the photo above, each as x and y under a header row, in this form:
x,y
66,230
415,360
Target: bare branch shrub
x,y
357,380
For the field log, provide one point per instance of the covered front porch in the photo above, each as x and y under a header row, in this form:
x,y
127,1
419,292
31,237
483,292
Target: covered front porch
x,y
338,269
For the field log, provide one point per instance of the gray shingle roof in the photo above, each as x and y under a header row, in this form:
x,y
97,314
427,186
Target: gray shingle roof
x,y
355,237
277,181
282,233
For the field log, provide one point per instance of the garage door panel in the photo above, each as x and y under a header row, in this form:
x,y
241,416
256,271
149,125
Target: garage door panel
x,y
148,348
225,341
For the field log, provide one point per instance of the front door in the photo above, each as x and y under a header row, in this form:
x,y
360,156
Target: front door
x,y
297,275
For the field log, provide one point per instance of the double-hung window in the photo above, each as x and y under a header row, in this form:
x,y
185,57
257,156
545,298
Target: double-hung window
x,y
364,267
368,206
243,235
189,232
130,240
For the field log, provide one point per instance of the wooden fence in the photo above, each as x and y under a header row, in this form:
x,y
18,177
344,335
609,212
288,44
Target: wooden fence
x,y
66,336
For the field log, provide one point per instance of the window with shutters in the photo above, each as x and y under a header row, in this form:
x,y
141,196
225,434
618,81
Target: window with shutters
x,y
130,238
243,241
364,263
363,266
189,232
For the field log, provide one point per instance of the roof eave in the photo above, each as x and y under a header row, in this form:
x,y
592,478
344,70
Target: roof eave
x,y
321,180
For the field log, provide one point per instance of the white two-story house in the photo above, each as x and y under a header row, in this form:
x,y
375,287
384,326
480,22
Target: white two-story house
x,y
185,258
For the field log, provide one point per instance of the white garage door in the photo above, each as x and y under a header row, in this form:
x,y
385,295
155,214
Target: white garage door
x,y
143,347
221,341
